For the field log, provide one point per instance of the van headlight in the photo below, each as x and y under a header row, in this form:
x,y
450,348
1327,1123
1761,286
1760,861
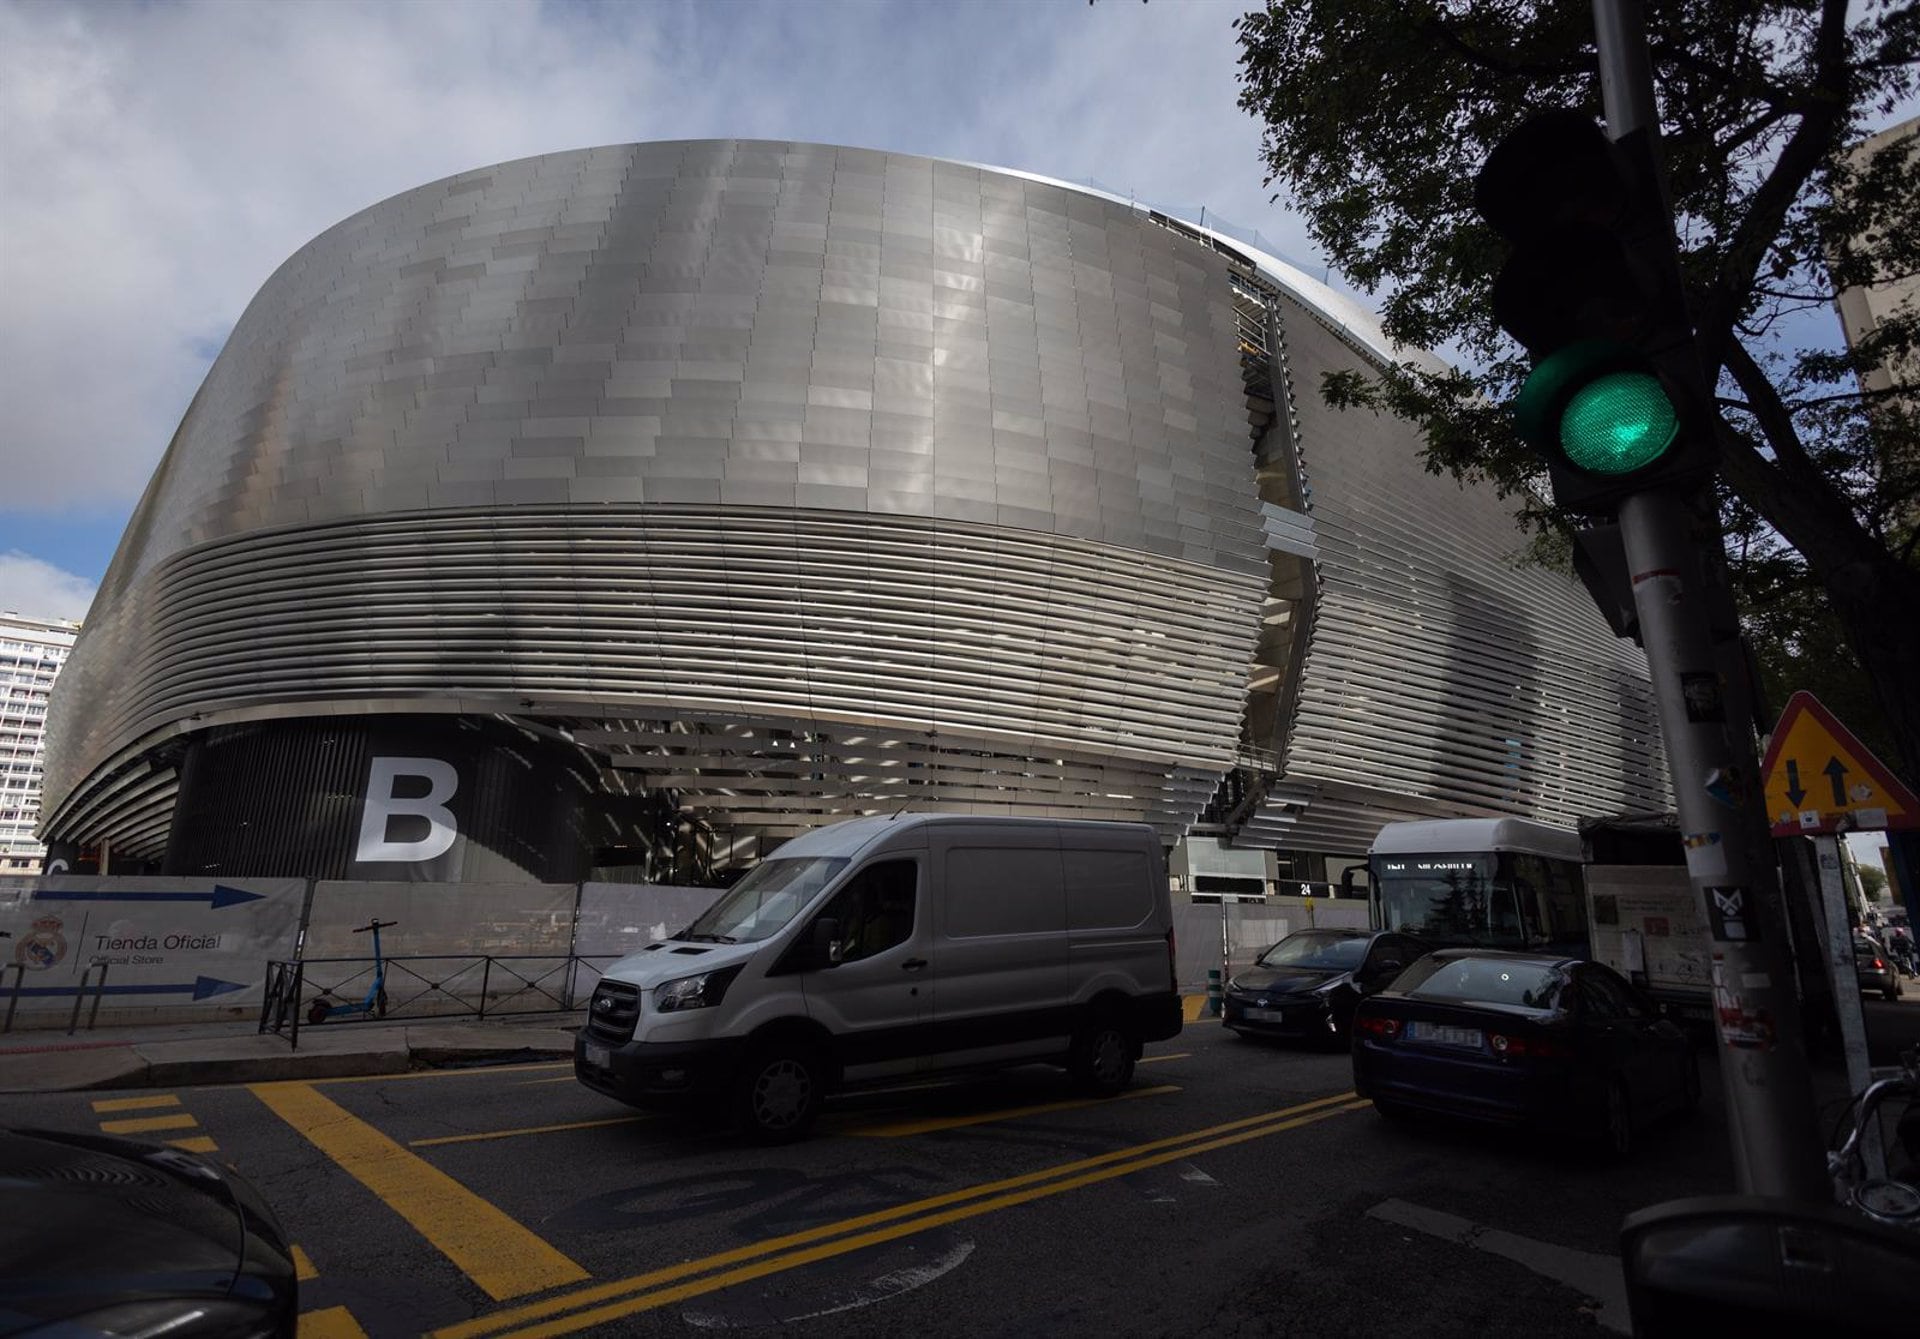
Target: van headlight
x,y
694,992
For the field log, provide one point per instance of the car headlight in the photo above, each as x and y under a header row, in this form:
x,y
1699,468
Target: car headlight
x,y
694,992
1330,987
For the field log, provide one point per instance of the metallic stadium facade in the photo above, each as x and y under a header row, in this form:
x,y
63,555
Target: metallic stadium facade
x,y
758,484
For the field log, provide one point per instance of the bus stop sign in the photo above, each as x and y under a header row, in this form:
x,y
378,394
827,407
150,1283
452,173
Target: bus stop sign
x,y
1819,779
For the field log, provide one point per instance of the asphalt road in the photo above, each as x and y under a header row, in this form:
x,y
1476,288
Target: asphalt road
x,y
1235,1190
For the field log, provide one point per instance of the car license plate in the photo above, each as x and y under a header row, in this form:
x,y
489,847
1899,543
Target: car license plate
x,y
1266,1015
599,1056
1442,1035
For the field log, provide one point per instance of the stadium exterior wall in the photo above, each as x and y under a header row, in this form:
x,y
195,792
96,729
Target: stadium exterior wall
x,y
791,481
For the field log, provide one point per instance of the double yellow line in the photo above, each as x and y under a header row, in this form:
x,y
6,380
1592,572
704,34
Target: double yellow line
x,y
584,1307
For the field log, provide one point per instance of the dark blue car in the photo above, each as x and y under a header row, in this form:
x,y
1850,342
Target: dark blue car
x,y
1522,1039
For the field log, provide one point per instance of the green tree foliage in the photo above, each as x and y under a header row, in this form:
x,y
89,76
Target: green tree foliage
x,y
1873,883
1379,112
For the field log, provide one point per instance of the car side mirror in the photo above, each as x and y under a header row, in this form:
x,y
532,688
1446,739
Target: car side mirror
x,y
827,949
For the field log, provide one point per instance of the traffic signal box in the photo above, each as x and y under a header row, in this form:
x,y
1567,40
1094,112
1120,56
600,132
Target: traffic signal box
x,y
1616,403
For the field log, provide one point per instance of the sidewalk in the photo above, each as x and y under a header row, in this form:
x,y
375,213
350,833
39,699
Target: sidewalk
x,y
184,1055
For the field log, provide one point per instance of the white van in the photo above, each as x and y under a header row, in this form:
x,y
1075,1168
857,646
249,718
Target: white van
x,y
885,949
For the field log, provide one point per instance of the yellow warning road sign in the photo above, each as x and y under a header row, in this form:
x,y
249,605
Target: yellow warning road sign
x,y
1820,779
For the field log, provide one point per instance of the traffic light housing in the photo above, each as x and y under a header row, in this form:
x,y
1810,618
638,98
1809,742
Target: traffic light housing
x,y
1591,287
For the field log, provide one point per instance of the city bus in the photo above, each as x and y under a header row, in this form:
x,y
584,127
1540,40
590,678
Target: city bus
x,y
1501,882
1511,883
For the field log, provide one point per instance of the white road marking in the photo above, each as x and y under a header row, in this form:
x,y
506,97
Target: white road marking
x,y
1189,1172
1597,1276
886,1286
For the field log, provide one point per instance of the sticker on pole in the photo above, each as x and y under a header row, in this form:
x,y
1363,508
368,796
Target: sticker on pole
x,y
1732,914
1820,780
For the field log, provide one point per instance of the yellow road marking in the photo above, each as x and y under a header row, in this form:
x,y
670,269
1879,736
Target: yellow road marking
x,y
144,1124
747,1273
135,1103
564,1078
900,1129
303,1266
531,1129
1192,1006
1156,1059
503,1258
469,1072
1179,1146
197,1143
336,1322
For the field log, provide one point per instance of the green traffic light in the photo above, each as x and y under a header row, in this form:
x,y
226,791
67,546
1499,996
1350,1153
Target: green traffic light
x,y
1618,423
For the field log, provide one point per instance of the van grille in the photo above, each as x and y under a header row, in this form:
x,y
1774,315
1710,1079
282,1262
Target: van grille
x,y
613,1012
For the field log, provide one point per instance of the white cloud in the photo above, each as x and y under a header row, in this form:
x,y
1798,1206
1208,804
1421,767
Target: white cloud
x,y
159,162
40,590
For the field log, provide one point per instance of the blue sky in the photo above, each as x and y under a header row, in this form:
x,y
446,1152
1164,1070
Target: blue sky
x,y
157,162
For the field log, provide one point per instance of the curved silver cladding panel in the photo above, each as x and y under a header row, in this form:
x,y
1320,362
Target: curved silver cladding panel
x,y
780,432
1442,676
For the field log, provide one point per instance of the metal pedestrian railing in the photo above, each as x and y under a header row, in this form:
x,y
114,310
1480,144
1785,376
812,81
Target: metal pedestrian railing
x,y
89,984
301,992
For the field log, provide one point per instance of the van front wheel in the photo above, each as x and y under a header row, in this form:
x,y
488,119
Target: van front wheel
x,y
777,1093
1103,1056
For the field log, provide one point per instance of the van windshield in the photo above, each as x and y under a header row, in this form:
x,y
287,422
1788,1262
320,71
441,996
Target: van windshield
x,y
761,904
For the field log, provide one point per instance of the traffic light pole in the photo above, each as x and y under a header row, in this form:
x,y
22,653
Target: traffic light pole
x,y
1711,759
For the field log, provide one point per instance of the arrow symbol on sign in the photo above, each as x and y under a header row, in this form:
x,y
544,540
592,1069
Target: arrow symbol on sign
x,y
1794,792
1835,770
221,896
202,988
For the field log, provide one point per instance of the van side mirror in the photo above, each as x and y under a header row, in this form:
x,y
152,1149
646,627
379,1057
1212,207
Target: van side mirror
x,y
1346,879
826,942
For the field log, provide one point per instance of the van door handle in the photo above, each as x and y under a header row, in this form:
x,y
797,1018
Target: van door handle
x,y
913,964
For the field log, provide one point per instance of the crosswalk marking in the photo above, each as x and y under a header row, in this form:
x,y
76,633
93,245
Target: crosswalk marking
x,y
336,1322
107,1104
148,1124
172,1120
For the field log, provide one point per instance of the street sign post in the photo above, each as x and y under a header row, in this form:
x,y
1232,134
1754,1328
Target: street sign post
x,y
1820,780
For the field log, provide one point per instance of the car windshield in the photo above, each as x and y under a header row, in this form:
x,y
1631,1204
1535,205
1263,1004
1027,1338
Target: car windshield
x,y
1317,952
761,904
1529,985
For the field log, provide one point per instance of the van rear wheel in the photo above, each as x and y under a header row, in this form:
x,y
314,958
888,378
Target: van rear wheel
x,y
777,1093
1103,1056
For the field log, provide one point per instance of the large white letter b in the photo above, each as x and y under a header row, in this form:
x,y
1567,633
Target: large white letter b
x,y
382,804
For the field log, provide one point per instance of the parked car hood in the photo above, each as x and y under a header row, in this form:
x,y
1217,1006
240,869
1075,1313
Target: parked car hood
x,y
86,1220
1286,980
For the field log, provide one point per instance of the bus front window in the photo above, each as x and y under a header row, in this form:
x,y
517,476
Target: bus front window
x,y
1446,899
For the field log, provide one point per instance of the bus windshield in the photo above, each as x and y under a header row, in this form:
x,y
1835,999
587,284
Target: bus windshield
x,y
1447,899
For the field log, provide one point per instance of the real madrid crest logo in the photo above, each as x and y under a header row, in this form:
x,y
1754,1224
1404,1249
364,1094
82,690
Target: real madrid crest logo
x,y
43,948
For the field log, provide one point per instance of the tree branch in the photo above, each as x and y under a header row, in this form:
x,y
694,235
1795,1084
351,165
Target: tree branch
x,y
1810,146
1776,424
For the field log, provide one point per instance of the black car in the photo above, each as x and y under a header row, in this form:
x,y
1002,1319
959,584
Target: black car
x,y
103,1236
1307,984
1522,1039
1874,967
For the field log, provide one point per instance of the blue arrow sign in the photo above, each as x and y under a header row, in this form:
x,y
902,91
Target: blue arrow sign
x,y
202,988
221,896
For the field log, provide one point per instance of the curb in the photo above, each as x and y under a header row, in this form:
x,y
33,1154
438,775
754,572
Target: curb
x,y
243,1061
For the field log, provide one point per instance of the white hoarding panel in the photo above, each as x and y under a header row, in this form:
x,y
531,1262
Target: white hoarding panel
x,y
168,948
